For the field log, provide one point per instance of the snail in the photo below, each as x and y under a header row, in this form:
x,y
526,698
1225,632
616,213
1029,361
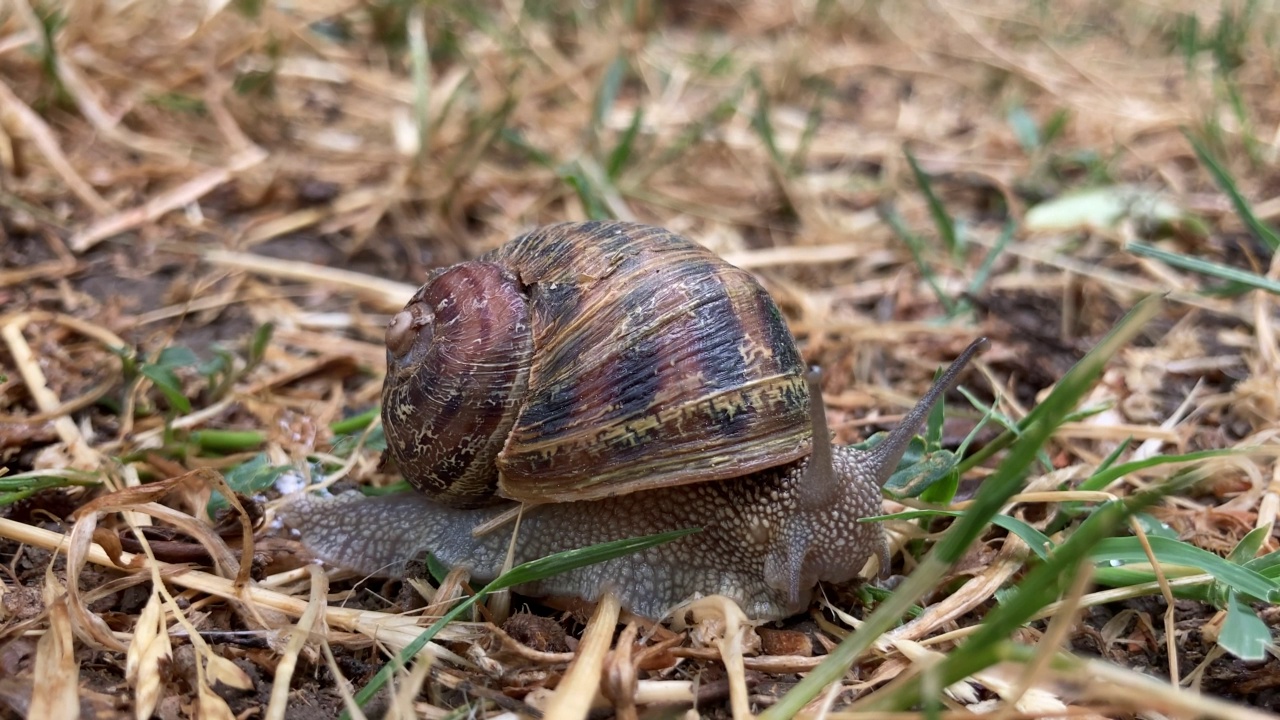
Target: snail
x,y
619,380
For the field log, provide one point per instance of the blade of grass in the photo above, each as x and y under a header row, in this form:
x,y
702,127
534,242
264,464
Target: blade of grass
x,y
485,130
605,98
1187,34
1205,267
995,492
528,572
1039,543
890,215
1228,186
588,190
23,485
1129,550
762,124
622,152
516,140
984,270
811,124
355,423
1012,430
723,111
228,441
1244,634
944,222
1249,545
1101,479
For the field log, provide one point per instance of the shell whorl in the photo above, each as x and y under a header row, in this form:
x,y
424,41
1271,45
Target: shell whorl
x,y
655,364
457,366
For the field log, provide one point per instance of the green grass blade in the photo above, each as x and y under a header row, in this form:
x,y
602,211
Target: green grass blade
x,y
890,215
763,125
811,124
515,139
1268,565
1187,35
355,423
1039,542
1114,456
605,98
1228,186
1054,126
528,572
719,115
1249,545
23,485
1243,633
626,144
1100,480
1012,429
1129,551
944,222
228,441
484,132
588,191
989,262
258,345
1206,267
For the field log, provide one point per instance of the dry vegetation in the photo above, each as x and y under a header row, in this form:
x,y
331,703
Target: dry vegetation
x,y
175,177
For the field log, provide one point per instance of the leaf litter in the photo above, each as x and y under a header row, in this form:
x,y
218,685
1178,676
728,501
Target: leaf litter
x,y
175,177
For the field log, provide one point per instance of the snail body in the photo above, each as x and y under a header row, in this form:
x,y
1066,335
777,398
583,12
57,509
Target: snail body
x,y
620,381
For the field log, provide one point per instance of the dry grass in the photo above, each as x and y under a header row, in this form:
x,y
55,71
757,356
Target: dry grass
x,y
174,175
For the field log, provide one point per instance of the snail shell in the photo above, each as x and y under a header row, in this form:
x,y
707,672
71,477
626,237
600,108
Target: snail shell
x,y
586,360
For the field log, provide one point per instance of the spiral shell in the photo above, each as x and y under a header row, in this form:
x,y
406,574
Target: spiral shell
x,y
586,360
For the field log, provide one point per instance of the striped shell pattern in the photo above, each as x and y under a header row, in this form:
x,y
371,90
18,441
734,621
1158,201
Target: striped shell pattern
x,y
585,360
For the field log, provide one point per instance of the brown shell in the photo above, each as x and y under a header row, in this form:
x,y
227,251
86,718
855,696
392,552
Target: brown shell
x,y
655,363
651,363
457,361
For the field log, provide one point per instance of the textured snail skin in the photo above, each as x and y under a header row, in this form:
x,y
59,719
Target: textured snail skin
x,y
759,544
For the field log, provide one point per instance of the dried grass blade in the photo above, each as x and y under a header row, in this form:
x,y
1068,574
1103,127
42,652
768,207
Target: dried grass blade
x,y
312,621
151,210
15,114
389,295
149,647
402,702
57,674
581,682
29,368
211,706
